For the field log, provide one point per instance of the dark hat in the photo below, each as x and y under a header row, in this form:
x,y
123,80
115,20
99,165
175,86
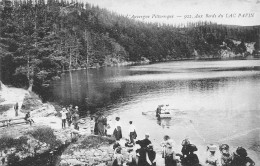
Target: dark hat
x,y
241,151
192,148
185,142
118,149
117,118
223,147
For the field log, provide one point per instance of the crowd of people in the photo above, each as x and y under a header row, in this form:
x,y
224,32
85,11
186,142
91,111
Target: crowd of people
x,y
70,116
145,154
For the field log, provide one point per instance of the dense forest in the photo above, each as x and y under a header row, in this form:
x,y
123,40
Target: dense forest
x,y
39,39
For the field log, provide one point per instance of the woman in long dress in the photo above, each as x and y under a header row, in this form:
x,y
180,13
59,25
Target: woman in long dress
x,y
169,157
117,131
100,125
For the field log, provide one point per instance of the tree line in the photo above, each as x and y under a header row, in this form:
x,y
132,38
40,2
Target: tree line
x,y
39,39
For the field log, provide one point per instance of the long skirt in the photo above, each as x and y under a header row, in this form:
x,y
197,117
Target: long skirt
x,y
101,129
118,133
169,161
132,136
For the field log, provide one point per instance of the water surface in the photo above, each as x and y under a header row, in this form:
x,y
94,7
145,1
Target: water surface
x,y
214,101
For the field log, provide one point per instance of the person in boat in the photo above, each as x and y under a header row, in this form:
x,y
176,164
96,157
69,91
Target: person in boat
x,y
132,131
165,109
150,156
240,158
212,159
158,110
117,130
226,157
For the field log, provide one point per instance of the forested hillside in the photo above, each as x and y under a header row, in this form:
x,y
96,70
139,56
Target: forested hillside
x,y
39,40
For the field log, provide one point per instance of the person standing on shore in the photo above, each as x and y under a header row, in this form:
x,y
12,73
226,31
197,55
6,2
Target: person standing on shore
x,y
169,158
63,117
132,132
240,158
69,113
100,125
4,156
117,131
92,125
16,107
118,157
131,161
145,142
212,159
150,156
75,119
226,158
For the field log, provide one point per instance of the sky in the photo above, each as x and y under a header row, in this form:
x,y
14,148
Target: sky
x,y
233,12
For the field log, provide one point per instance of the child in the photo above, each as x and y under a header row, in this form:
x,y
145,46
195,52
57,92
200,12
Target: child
x,y
226,158
118,157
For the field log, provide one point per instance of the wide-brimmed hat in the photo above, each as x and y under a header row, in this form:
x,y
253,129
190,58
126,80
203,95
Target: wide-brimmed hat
x,y
117,118
241,151
76,107
212,148
185,142
192,148
150,147
223,147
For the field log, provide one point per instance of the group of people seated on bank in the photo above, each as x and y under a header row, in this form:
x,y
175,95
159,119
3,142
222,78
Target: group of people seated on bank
x,y
146,156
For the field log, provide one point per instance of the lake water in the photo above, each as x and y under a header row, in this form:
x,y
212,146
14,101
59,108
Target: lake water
x,y
214,101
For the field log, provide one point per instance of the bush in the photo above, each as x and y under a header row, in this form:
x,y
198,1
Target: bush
x,y
5,107
94,141
6,142
31,101
10,142
12,159
45,135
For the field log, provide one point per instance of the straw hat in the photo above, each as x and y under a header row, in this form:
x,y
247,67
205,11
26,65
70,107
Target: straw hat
x,y
212,148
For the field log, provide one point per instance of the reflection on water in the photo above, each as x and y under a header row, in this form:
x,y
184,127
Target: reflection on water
x,y
214,101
